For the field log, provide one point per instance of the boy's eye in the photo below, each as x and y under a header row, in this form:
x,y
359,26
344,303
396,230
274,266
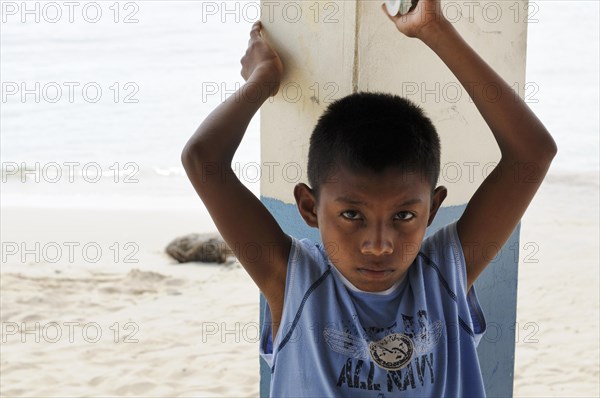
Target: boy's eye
x,y
405,215
351,215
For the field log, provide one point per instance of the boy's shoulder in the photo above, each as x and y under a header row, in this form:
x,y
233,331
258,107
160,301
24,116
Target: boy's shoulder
x,y
306,249
441,252
441,242
307,261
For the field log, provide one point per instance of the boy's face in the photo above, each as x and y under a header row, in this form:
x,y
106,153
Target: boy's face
x,y
371,224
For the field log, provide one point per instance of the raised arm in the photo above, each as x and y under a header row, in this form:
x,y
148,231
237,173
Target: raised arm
x,y
245,224
526,147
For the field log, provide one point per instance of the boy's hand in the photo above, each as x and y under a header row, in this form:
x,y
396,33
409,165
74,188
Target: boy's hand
x,y
421,17
261,61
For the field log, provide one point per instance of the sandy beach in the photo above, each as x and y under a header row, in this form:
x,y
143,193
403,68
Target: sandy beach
x,y
111,328
557,348
103,325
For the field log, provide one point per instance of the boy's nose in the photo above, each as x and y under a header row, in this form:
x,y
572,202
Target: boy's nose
x,y
378,241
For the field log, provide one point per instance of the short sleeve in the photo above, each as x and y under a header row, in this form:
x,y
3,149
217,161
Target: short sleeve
x,y
265,349
300,249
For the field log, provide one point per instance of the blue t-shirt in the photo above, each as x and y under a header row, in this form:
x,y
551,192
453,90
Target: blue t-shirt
x,y
417,339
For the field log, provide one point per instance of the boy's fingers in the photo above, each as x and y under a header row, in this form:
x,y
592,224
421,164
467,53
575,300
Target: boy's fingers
x,y
384,8
387,13
255,32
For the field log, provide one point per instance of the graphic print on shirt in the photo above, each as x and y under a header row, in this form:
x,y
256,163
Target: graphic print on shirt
x,y
426,335
401,353
393,352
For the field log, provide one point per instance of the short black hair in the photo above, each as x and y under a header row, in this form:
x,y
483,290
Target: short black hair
x,y
372,131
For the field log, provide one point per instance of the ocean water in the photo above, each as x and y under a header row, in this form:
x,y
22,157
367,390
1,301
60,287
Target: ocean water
x,y
117,99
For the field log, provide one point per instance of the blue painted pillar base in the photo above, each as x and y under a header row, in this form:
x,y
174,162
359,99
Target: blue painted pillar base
x,y
496,290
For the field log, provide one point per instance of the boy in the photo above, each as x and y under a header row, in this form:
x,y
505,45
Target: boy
x,y
374,310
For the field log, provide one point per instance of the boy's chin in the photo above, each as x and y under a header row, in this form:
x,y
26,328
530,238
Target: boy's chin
x,y
376,281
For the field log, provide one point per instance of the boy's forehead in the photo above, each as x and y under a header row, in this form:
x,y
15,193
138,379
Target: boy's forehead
x,y
393,177
348,184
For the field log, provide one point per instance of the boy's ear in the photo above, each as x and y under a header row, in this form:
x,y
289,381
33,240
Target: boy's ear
x,y
436,202
307,204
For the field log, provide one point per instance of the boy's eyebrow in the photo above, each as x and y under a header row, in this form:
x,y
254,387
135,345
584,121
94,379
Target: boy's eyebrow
x,y
353,201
